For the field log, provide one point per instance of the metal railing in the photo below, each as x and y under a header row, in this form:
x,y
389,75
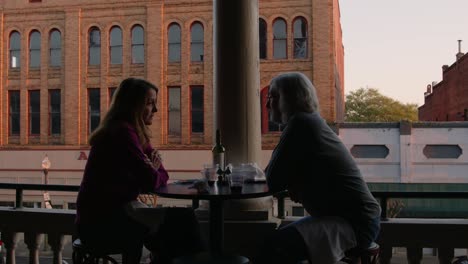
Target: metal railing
x,y
20,187
384,196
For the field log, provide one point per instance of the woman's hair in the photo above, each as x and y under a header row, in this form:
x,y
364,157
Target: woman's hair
x,y
128,104
296,93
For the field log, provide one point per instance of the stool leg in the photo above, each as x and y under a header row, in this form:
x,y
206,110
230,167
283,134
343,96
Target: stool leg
x,y
77,257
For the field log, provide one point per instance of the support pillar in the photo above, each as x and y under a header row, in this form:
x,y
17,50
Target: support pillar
x,y
237,79
236,106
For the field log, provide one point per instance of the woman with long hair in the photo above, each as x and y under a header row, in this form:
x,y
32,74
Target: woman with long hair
x,y
121,165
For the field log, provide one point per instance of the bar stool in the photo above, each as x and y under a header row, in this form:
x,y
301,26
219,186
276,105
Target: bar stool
x,y
362,256
83,254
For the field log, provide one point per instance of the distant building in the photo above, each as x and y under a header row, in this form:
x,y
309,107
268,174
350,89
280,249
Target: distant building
x,y
447,100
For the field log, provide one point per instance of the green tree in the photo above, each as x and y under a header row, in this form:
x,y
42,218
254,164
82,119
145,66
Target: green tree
x,y
369,105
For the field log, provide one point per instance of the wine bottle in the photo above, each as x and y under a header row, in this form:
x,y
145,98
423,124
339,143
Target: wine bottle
x,y
218,151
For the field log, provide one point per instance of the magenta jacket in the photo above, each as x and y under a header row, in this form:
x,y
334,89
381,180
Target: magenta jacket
x,y
115,173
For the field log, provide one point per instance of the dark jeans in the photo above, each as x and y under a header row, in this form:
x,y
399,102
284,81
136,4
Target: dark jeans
x,y
366,231
178,235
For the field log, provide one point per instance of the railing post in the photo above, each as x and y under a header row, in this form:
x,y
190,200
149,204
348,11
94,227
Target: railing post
x,y
33,241
383,205
56,243
19,198
281,214
11,240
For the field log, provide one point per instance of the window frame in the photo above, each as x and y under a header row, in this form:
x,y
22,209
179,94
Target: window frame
x,y
176,43
34,112
197,110
265,39
138,44
266,124
14,114
53,114
277,40
194,43
93,112
14,50
55,48
92,46
171,113
34,51
305,38
116,44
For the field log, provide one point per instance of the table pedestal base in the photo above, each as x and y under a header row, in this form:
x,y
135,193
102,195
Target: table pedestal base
x,y
208,258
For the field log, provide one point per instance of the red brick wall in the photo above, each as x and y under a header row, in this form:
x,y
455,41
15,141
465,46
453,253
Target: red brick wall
x,y
449,98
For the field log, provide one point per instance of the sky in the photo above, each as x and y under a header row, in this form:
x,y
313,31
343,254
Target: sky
x,y
399,46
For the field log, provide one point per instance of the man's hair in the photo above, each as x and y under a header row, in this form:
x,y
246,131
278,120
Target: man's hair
x,y
128,104
296,93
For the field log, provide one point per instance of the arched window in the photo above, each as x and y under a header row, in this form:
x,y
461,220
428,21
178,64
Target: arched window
x,y
267,125
279,39
197,41
94,53
300,38
173,49
262,38
55,48
35,49
15,49
138,44
115,45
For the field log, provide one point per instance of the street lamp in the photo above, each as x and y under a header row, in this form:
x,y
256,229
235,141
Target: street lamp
x,y
45,168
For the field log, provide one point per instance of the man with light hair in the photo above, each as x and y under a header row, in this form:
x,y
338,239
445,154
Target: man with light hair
x,y
315,167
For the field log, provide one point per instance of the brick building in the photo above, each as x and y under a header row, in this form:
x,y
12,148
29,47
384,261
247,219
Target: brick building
x,y
62,59
447,100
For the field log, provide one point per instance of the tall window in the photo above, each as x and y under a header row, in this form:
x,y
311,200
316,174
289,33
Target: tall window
x,y
34,112
14,112
94,108
15,49
138,44
116,45
35,49
300,38
174,113
55,46
267,125
197,41
94,46
111,93
196,100
173,49
55,114
279,39
262,37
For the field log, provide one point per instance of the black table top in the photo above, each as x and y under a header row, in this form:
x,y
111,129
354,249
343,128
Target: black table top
x,y
218,191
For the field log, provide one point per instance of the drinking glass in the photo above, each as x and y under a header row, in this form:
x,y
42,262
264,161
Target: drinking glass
x,y
236,181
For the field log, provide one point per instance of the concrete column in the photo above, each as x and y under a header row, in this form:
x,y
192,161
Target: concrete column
x,y
237,78
236,88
